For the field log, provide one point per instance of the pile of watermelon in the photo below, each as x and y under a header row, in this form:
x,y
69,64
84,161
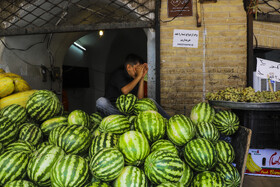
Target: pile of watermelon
x,y
40,145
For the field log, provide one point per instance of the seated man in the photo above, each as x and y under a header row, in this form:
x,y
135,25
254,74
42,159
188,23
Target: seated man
x,y
129,79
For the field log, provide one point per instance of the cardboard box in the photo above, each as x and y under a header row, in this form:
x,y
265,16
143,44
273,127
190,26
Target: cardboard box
x,y
267,159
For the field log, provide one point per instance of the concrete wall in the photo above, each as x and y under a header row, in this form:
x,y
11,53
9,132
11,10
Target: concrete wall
x,y
187,74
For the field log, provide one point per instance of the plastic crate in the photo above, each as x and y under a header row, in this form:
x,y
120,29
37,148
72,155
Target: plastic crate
x,y
265,126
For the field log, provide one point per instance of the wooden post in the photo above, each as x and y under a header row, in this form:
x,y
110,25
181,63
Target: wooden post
x,y
198,13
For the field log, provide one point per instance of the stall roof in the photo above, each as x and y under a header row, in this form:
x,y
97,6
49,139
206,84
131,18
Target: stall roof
x,y
50,16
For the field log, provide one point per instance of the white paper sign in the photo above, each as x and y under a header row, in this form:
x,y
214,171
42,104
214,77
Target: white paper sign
x,y
267,67
185,38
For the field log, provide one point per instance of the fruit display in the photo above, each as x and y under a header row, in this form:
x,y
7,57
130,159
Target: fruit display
x,y
43,146
247,94
11,83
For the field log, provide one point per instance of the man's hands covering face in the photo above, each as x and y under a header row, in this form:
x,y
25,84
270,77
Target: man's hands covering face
x,y
141,70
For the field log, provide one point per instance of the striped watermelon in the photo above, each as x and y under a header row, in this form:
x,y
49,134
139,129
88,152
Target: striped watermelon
x,y
208,179
102,141
20,183
79,117
187,176
98,184
131,176
31,133
107,164
74,139
225,152
42,105
134,146
229,174
43,144
1,148
95,119
164,145
51,123
144,105
200,154
71,171
180,129
96,132
117,124
125,103
163,166
202,112
226,122
54,134
8,131
17,161
168,184
41,162
21,146
207,130
151,124
14,112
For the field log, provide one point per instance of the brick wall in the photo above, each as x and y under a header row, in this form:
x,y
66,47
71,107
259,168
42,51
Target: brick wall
x,y
187,74
267,34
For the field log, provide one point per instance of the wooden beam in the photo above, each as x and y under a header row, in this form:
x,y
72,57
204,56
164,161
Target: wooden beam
x,y
268,18
198,13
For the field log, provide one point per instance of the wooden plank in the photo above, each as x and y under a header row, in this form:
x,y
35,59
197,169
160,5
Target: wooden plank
x,y
241,142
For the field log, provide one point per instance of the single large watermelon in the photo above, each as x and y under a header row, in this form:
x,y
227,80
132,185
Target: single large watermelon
x,y
107,164
151,124
41,162
164,145
225,152
202,112
200,154
134,146
74,139
163,166
8,131
229,174
42,105
208,179
226,122
144,105
70,171
14,112
52,123
79,117
125,103
105,140
12,159
207,130
180,129
21,146
31,133
131,176
117,124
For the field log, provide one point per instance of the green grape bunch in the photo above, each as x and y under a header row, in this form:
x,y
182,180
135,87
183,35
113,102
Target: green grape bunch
x,y
247,94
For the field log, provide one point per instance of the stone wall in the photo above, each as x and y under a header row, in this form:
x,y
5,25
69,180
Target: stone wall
x,y
220,60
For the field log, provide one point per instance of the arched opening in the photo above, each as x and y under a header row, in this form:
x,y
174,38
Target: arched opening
x,y
92,68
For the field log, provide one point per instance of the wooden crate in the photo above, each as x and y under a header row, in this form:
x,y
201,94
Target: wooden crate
x,y
241,143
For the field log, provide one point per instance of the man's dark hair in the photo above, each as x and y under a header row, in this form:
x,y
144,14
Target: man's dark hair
x,y
133,59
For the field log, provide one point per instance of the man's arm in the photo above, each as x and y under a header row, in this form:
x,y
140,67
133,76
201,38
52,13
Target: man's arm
x,y
140,93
